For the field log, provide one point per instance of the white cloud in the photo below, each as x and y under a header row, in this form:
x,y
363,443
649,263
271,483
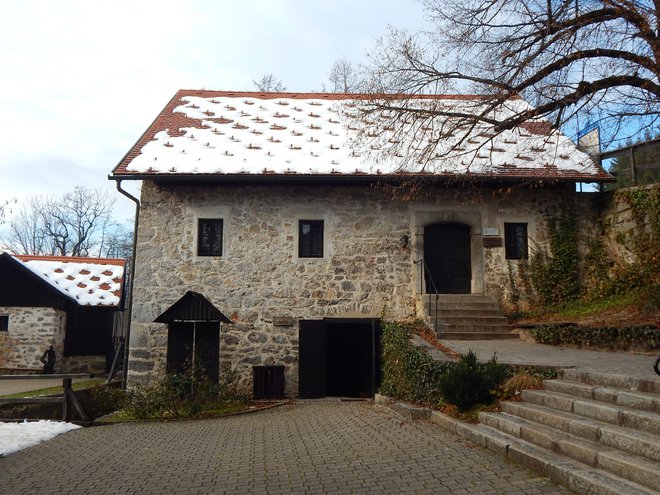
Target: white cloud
x,y
83,79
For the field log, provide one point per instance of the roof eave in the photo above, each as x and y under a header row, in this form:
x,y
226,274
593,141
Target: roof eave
x,y
22,266
353,178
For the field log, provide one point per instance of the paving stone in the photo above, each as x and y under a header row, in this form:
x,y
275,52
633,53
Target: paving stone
x,y
324,446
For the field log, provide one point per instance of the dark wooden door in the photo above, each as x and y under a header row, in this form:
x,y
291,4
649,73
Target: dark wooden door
x,y
312,359
201,338
207,348
179,347
447,256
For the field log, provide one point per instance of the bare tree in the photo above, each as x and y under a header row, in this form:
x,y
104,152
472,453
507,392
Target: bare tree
x,y
269,83
4,207
573,61
116,241
77,223
25,233
343,77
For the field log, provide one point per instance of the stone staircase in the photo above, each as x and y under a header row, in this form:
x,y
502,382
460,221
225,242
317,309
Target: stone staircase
x,y
592,432
467,317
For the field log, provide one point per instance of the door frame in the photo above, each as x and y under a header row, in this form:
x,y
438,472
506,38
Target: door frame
x,y
316,365
465,215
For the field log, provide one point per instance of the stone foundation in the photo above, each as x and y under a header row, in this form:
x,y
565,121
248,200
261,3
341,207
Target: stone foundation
x,y
83,364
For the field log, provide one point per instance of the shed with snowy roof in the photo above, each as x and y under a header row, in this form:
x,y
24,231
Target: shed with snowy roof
x,y
279,209
70,303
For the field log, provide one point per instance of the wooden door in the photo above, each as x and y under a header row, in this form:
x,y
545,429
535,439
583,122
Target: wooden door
x,y
199,338
179,346
312,359
447,256
207,348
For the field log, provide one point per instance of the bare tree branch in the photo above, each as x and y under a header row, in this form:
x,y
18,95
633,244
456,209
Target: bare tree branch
x,y
343,77
269,83
592,60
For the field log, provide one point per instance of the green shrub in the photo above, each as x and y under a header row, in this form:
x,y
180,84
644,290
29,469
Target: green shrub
x,y
102,399
409,374
183,394
621,338
469,383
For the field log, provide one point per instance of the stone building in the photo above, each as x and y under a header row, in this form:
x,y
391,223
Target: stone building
x,y
69,303
275,209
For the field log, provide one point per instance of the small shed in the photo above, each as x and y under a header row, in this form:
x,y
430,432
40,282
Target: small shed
x,y
68,302
193,334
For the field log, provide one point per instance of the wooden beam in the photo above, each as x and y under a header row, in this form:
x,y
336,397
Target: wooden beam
x,y
46,377
25,400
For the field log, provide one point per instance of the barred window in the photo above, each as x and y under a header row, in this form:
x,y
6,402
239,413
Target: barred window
x,y
310,239
209,237
4,323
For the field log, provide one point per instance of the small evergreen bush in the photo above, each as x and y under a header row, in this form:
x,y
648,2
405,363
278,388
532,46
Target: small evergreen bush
x,y
469,383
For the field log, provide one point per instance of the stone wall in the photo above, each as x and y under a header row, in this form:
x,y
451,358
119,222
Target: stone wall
x,y
83,364
260,281
31,332
618,224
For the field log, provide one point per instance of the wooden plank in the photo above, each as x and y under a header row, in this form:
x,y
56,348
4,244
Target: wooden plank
x,y
46,377
76,403
66,412
19,400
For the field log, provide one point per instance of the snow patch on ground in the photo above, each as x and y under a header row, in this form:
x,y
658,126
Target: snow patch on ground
x,y
19,436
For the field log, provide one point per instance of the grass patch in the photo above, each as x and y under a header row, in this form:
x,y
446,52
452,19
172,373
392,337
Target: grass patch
x,y
586,308
55,390
229,408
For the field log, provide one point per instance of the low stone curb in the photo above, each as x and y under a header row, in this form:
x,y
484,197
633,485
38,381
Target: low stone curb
x,y
561,470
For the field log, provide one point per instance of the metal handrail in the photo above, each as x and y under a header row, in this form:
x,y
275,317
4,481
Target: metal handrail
x,y
424,270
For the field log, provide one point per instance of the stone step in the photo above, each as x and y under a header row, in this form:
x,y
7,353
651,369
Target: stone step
x,y
473,328
609,413
471,312
612,380
485,329
576,476
460,298
469,319
465,306
451,335
622,397
625,439
629,466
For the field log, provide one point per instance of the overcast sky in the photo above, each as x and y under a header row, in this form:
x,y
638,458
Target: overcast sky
x,y
82,80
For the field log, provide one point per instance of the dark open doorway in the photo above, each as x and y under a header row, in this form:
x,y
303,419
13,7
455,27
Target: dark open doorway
x,y
447,256
339,358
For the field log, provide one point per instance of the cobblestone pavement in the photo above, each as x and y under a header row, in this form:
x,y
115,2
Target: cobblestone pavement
x,y
534,354
323,446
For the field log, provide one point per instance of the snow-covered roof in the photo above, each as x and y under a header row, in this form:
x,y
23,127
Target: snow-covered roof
x,y
244,133
88,281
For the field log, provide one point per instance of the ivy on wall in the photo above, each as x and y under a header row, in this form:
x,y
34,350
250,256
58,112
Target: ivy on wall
x,y
554,275
409,373
551,277
610,275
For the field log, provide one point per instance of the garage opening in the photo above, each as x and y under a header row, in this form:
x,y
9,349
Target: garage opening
x,y
339,358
